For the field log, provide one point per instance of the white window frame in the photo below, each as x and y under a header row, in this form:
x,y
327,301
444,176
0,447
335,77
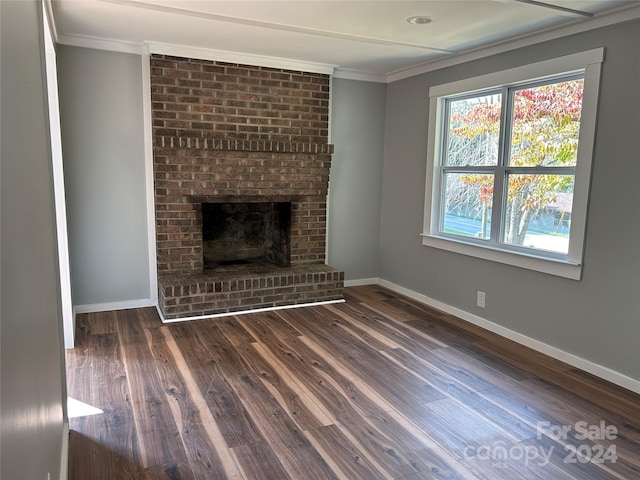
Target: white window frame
x,y
570,265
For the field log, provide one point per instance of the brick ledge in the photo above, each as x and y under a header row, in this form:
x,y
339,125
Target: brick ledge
x,y
247,288
245,312
241,145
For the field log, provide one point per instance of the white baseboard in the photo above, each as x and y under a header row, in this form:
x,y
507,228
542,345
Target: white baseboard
x,y
554,352
64,458
109,306
244,312
361,281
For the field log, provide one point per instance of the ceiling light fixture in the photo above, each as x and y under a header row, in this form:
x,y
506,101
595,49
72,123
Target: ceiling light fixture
x,y
419,20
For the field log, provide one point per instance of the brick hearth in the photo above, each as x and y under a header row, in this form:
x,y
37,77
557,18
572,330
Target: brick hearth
x,y
234,133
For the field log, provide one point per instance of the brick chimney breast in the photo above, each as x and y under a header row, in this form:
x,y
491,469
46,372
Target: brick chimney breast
x,y
226,133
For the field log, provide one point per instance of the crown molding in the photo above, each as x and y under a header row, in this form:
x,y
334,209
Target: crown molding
x,y
348,74
145,48
621,15
97,43
239,57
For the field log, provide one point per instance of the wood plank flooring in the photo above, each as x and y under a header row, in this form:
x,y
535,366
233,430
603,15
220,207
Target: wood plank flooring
x,y
379,387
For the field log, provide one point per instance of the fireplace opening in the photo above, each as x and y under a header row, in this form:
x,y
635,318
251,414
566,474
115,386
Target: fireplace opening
x,y
246,234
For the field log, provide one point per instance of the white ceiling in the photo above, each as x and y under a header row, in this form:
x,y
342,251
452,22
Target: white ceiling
x,y
361,38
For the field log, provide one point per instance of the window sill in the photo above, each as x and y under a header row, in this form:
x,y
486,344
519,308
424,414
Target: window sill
x,y
560,268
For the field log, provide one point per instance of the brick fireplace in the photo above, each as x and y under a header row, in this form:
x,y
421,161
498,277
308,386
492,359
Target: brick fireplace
x,y
252,143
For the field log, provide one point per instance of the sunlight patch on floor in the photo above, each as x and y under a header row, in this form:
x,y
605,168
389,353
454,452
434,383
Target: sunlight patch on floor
x,y
76,408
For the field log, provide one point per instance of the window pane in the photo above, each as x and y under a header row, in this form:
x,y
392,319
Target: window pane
x,y
467,204
538,211
473,131
545,124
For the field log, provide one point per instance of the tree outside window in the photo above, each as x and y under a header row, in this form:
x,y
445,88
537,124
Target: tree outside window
x,y
508,164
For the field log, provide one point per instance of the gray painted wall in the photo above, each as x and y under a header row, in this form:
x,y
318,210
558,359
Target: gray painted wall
x,y
597,318
103,147
31,346
357,131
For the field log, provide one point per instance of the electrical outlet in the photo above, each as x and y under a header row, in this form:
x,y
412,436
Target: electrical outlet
x,y
480,298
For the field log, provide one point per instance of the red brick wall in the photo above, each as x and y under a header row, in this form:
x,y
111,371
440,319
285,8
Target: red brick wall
x,y
199,98
227,133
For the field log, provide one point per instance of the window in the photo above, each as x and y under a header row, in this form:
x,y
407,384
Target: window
x,y
509,164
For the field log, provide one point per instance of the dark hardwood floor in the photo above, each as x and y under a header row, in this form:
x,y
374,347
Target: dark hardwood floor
x,y
379,387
